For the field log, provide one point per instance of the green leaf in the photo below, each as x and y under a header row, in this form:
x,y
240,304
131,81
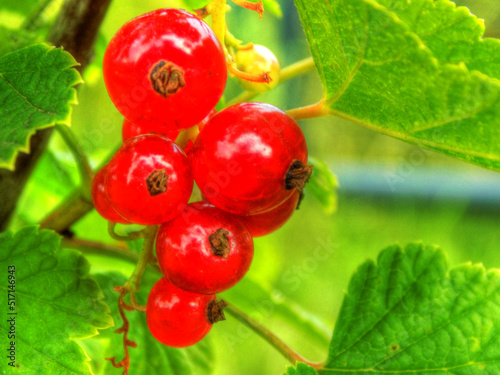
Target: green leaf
x,y
323,185
378,72
263,304
195,4
56,302
301,369
36,90
150,357
452,33
409,314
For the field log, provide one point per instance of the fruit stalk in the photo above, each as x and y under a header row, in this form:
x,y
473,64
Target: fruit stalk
x,y
270,337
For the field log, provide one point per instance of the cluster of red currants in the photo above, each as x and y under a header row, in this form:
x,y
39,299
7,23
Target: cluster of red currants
x,y
165,71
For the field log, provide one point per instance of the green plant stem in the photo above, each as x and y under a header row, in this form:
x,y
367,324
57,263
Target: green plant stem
x,y
289,72
133,284
86,173
270,337
129,237
72,209
30,23
315,110
99,248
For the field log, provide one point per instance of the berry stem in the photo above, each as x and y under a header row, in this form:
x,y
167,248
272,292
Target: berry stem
x,y
72,208
98,248
134,282
289,72
270,337
257,7
315,110
82,162
129,237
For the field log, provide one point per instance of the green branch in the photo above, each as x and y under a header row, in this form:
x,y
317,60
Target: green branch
x,y
270,337
86,173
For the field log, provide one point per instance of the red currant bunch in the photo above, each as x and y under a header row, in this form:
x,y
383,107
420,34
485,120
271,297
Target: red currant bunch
x,y
165,71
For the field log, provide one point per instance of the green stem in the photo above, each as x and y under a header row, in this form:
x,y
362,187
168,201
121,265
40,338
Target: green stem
x,y
133,284
289,72
30,23
99,248
86,173
73,208
315,110
270,337
129,237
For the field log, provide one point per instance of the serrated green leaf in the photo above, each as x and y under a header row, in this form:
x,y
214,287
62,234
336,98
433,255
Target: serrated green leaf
x,y
56,302
301,369
409,314
36,91
378,72
452,33
263,304
323,185
150,357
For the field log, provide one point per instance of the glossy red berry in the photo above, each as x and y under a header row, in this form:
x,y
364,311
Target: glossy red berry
x,y
131,130
250,158
165,67
265,223
179,318
149,180
204,249
100,200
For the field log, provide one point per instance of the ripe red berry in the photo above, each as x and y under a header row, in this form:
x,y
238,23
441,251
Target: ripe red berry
x,y
179,318
250,158
165,67
131,130
100,199
262,224
149,180
204,249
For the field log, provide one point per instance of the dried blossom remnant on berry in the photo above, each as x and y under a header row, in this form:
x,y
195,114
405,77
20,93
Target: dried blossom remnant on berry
x,y
297,176
157,182
219,242
167,78
215,311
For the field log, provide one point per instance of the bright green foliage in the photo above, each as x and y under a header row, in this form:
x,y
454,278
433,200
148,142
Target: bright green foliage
x,y
36,90
150,357
301,369
22,7
388,68
263,305
323,185
12,40
409,314
56,302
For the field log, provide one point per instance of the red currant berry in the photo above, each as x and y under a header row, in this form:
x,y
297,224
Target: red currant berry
x,y
262,224
179,318
250,158
131,130
149,180
203,122
204,249
100,199
165,67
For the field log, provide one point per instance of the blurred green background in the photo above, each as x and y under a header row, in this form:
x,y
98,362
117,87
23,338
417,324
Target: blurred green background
x,y
390,192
